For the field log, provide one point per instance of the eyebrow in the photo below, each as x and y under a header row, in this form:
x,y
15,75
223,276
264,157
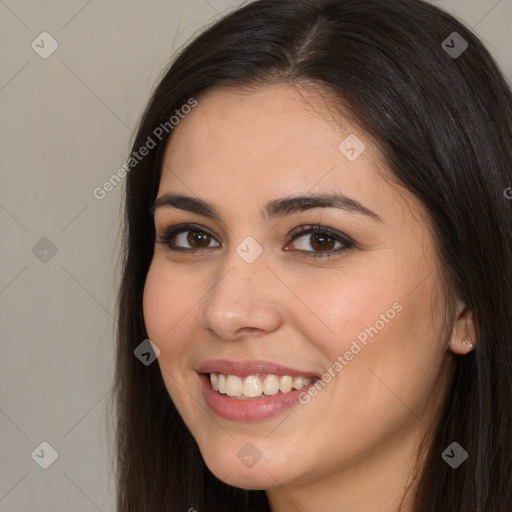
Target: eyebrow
x,y
276,208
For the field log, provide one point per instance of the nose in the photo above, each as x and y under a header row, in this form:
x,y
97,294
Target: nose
x,y
243,299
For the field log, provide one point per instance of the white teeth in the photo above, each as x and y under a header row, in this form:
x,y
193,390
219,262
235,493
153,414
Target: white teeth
x,y
234,385
253,387
271,385
214,379
298,382
222,383
286,384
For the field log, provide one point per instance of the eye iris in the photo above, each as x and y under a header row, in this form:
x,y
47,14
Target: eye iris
x,y
198,236
315,238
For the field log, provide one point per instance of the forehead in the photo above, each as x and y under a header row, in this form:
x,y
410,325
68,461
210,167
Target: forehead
x,y
252,145
287,119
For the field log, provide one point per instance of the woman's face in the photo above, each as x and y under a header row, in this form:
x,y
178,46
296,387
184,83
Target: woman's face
x,y
256,308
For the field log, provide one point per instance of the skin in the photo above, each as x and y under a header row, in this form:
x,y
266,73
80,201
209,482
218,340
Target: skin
x,y
353,447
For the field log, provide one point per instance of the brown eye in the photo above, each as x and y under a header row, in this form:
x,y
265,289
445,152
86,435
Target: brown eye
x,y
200,238
320,241
186,237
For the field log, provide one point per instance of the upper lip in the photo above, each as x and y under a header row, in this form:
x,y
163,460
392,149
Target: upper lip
x,y
254,367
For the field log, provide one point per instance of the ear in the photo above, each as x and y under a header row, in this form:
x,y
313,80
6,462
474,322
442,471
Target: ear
x,y
463,338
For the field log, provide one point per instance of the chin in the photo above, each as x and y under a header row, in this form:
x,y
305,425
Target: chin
x,y
252,480
258,477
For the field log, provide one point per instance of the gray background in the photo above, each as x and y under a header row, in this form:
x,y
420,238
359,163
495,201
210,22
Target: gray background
x,y
66,126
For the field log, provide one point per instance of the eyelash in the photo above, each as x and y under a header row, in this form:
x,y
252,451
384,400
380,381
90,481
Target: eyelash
x,y
168,235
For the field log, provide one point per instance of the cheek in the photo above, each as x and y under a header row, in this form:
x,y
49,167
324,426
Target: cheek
x,y
375,328
166,311
396,369
154,304
165,305
384,300
349,309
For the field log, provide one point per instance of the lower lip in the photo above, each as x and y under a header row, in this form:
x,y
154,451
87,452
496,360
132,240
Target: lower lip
x,y
248,410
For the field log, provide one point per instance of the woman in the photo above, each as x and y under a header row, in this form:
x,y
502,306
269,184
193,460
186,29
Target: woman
x,y
317,244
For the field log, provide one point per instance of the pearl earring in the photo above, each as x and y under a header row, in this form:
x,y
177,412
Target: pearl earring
x,y
468,343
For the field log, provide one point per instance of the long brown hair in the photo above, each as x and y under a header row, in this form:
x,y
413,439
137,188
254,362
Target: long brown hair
x,y
444,125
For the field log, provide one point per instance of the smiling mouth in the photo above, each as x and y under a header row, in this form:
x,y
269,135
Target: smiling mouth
x,y
256,386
